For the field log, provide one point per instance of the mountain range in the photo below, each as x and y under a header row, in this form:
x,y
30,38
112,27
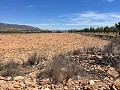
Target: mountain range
x,y
5,26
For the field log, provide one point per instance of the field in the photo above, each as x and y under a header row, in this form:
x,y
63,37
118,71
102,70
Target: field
x,y
19,46
59,61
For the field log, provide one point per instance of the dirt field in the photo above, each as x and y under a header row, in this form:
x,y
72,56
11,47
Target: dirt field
x,y
19,46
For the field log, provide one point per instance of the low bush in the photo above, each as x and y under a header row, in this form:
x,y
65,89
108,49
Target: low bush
x,y
76,52
60,69
35,59
10,69
1,65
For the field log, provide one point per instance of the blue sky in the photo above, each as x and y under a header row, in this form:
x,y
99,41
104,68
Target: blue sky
x,y
60,14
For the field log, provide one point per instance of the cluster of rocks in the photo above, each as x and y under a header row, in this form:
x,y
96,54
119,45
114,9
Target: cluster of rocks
x,y
27,83
97,72
18,83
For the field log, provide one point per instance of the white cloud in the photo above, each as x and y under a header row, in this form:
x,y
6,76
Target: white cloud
x,y
93,18
81,20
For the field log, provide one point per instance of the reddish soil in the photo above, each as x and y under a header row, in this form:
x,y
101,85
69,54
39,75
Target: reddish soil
x,y
19,46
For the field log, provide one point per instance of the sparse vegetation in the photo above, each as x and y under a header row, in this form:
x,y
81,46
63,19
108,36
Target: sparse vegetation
x,y
61,68
10,69
89,63
33,59
64,66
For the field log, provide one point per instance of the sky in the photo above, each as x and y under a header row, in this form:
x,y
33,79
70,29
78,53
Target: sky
x,y
60,14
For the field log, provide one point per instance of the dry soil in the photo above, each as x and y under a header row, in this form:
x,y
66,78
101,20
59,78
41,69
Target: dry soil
x,y
19,46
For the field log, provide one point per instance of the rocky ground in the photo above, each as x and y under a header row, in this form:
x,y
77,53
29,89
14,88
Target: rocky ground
x,y
20,46
91,68
94,73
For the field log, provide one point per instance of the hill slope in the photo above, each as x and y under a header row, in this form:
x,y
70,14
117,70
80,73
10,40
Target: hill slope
x,y
4,26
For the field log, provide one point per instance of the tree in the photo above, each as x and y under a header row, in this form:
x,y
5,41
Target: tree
x,y
118,27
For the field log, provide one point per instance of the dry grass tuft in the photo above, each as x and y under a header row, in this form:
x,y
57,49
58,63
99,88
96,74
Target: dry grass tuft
x,y
10,69
61,68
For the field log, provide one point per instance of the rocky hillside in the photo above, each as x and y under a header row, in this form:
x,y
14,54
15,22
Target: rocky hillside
x,y
4,26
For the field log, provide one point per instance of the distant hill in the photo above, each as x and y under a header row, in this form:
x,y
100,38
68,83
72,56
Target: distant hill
x,y
4,26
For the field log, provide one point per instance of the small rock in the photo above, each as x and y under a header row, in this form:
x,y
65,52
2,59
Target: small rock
x,y
35,88
27,81
82,81
114,88
70,82
16,86
18,78
11,88
2,78
117,84
8,78
45,81
106,79
2,82
111,71
22,84
86,88
65,88
46,89
98,56
91,82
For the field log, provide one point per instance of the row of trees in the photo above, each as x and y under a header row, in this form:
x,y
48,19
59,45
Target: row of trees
x,y
113,29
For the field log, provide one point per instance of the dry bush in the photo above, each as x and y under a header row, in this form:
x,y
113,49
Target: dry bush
x,y
60,69
32,60
35,60
92,50
1,65
10,69
114,46
76,52
13,69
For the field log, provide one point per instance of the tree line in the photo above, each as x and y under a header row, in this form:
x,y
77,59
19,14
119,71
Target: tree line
x,y
114,29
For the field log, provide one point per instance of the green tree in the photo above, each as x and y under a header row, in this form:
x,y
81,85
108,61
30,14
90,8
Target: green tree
x,y
118,27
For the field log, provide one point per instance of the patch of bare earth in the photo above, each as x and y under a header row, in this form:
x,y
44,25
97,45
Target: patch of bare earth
x,y
19,46
86,67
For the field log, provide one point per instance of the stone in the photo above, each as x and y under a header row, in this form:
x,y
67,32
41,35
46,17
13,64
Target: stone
x,y
2,82
16,86
26,81
70,82
106,79
46,89
82,81
2,78
114,88
22,84
8,78
111,71
117,84
18,78
98,56
87,88
45,81
91,82
11,88
65,88
35,88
